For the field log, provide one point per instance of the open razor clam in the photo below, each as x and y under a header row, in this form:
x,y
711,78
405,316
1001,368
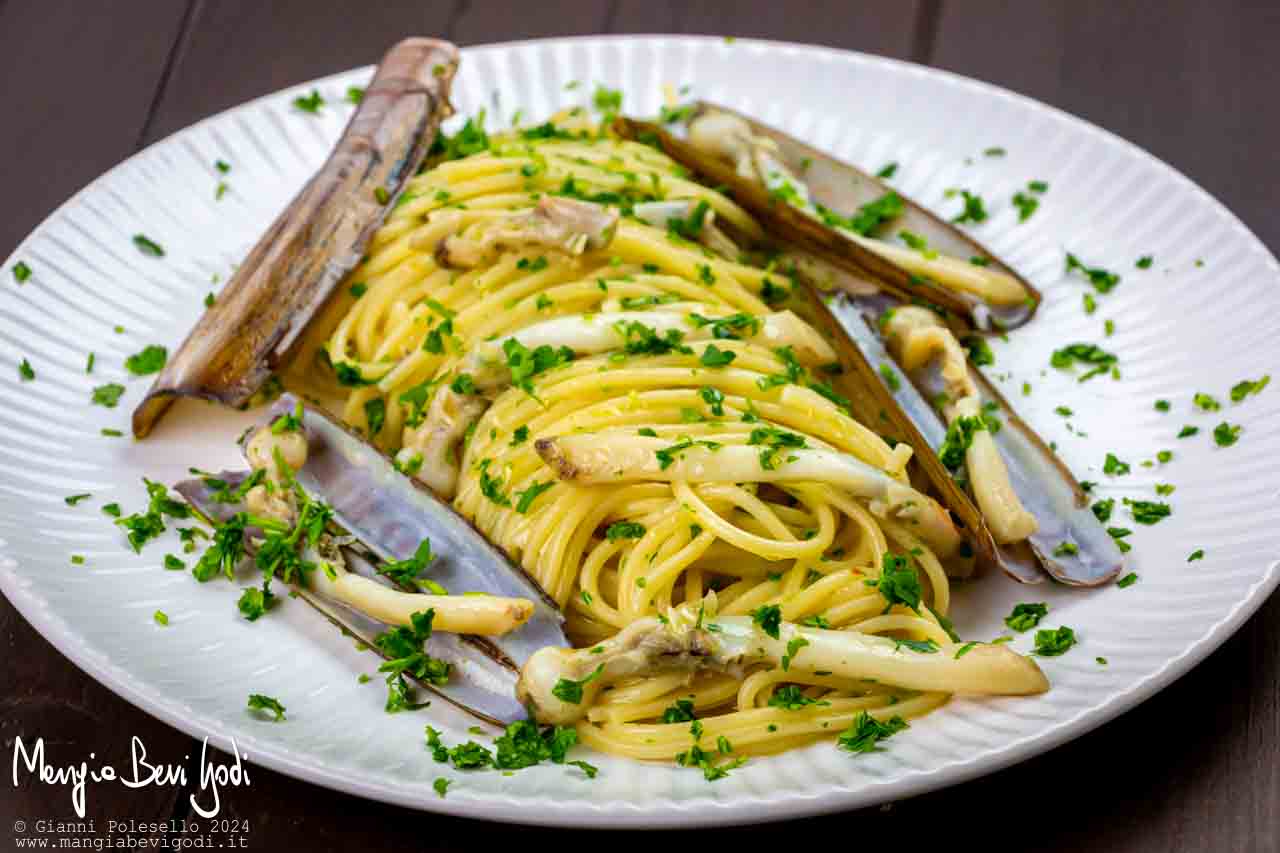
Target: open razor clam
x,y
379,515
257,328
901,306
821,204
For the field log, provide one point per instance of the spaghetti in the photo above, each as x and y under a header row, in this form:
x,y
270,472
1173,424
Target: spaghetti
x,y
613,403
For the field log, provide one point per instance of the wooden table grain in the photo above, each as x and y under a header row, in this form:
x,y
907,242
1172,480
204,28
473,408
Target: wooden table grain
x,y
1197,768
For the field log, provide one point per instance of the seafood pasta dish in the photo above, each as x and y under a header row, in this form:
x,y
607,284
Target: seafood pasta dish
x,y
666,438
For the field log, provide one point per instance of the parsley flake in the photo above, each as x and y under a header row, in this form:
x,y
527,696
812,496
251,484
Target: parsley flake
x,y
259,702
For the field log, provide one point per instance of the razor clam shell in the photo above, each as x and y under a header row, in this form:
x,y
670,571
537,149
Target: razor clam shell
x,y
855,316
480,683
1051,493
844,188
319,238
392,513
1044,485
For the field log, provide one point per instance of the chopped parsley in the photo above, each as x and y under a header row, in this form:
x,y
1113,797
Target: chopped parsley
x,y
471,139
624,530
1115,466
668,455
349,375
869,217
1188,431
714,398
1205,402
1197,554
259,702
310,103
1128,580
975,210
890,377
607,101
150,360
898,582
404,648
1066,549
1051,642
773,441
405,572
888,170
1102,280
21,272
1026,616
519,436
768,619
1225,434
979,350
355,94
918,243
794,645
1102,509
441,786
1027,203
790,698
254,602
959,438
147,246
375,414
639,339
537,264
1246,387
570,691
526,497
1148,512
712,356
72,500
1162,405
1088,354
160,617
866,732
728,328
490,486
26,372
690,228
463,383
145,526
680,712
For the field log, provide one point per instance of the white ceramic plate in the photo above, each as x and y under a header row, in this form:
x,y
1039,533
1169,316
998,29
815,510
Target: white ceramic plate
x,y
1181,327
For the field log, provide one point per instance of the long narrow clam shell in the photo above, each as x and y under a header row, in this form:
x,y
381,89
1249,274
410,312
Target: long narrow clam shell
x,y
1044,485
481,682
316,241
843,188
854,315
392,514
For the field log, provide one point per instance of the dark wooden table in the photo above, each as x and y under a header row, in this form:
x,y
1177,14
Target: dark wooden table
x,y
1196,768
